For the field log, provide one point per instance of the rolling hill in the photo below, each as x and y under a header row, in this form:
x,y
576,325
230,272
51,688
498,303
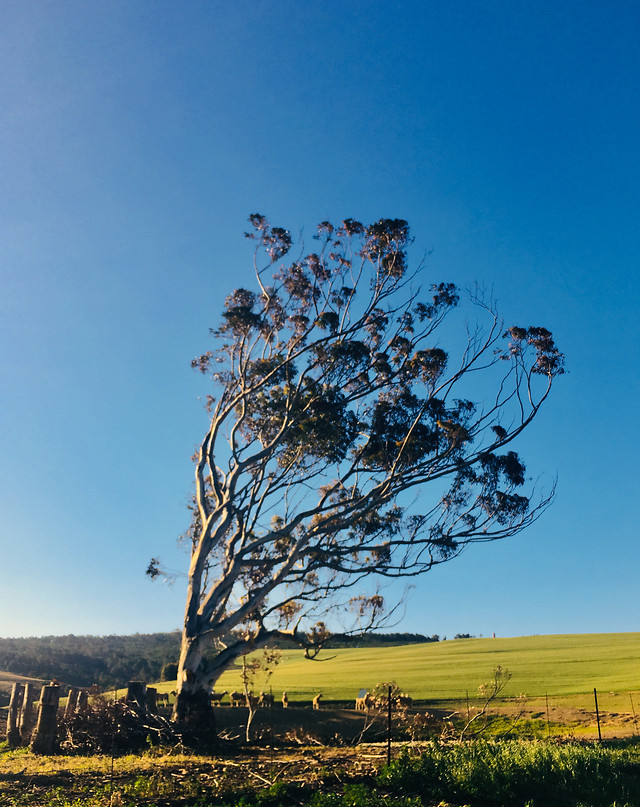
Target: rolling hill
x,y
561,665
555,665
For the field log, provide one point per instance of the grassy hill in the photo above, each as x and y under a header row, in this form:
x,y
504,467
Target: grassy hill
x,y
540,665
555,665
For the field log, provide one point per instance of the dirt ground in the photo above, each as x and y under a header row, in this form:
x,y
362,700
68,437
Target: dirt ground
x,y
570,720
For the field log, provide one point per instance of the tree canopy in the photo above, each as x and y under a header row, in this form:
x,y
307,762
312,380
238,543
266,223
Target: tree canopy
x,y
334,403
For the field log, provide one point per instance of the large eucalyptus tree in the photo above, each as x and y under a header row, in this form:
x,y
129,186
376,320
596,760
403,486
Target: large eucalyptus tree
x,y
346,443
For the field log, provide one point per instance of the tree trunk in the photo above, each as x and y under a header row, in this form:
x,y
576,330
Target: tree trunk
x,y
192,706
193,709
197,676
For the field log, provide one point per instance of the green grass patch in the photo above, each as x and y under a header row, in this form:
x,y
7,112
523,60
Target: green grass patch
x,y
514,774
540,665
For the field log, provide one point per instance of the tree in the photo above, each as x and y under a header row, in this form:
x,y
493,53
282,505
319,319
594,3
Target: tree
x,y
169,671
335,406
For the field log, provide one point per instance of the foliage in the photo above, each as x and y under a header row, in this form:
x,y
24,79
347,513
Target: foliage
x,y
169,671
84,660
382,690
360,795
514,773
374,639
334,402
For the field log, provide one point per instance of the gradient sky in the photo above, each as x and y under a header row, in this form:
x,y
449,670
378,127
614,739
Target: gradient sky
x,y
135,139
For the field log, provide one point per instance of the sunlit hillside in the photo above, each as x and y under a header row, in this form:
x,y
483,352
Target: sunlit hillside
x,y
540,665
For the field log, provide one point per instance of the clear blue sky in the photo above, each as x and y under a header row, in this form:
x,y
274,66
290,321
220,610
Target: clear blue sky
x,y
135,139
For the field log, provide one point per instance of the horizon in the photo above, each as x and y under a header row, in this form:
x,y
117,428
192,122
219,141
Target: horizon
x,y
442,637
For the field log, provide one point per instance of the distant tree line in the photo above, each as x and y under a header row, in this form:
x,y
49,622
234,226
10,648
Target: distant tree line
x,y
380,639
111,661
85,660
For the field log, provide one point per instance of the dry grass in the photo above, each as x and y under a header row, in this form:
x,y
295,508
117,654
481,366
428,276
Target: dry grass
x,y
28,780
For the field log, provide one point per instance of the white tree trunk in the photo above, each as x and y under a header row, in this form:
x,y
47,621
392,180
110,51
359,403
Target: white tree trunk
x,y
193,704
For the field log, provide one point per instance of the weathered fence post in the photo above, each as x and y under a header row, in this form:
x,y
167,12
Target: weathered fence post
x,y
152,700
72,703
46,733
27,714
83,701
137,693
13,726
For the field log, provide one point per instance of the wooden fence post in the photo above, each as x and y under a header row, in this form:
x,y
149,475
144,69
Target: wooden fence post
x,y
27,714
72,703
152,700
46,733
137,694
13,726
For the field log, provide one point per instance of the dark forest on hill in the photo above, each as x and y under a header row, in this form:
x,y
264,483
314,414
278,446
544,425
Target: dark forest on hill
x,y
113,660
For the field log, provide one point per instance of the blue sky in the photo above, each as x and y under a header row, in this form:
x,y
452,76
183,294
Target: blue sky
x,y
135,140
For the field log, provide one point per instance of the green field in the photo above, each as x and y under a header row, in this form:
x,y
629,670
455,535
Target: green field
x,y
540,665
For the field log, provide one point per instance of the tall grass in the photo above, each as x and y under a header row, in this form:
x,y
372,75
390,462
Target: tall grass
x,y
515,773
